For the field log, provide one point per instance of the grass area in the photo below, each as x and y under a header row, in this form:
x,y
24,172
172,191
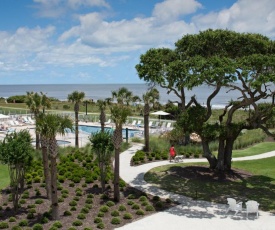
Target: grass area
x,y
260,186
4,176
255,149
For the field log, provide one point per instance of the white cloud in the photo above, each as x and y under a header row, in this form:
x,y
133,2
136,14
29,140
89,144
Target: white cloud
x,y
244,16
170,10
55,8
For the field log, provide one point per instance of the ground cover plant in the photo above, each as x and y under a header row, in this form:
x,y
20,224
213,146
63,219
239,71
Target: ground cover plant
x,y
81,202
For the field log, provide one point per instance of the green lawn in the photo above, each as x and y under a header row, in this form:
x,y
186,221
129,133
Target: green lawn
x,y
4,176
255,149
260,186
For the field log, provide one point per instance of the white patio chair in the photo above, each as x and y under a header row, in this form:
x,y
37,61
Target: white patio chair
x,y
234,206
252,207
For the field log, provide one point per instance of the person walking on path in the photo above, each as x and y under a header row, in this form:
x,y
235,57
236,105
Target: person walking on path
x,y
172,152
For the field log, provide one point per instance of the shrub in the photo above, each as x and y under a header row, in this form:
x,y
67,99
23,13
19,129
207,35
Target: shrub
x,y
57,224
130,202
4,225
23,223
12,219
65,191
77,223
140,212
104,208
127,216
30,216
22,201
115,213
37,227
16,227
72,228
81,216
44,220
88,206
159,204
67,213
60,199
73,203
90,196
143,198
104,197
76,198
110,203
168,201
85,210
131,196
122,208
53,228
100,214
31,206
115,220
73,208
39,201
89,201
156,198
135,206
149,208
32,210
100,226
97,220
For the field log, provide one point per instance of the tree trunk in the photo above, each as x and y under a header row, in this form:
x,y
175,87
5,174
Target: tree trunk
x,y
54,197
221,152
117,140
102,120
228,153
146,128
46,168
37,140
76,129
208,155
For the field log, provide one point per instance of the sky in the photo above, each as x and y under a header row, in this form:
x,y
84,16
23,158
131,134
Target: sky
x,y
100,41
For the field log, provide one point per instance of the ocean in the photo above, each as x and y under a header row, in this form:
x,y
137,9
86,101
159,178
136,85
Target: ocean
x,y
102,91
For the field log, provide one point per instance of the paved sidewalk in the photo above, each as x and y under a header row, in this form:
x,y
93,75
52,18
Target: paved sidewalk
x,y
190,214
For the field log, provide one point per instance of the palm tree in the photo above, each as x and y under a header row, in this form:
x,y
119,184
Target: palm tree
x,y
102,106
119,113
76,97
51,125
149,98
35,102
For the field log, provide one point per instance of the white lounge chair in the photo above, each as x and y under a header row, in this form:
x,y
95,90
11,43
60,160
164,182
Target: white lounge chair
x,y
134,123
11,123
252,206
108,122
138,123
234,206
31,120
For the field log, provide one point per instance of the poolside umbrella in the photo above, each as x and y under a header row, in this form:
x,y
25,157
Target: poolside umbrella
x,y
160,113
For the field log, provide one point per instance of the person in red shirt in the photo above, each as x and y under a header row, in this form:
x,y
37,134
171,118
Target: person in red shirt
x,y
172,152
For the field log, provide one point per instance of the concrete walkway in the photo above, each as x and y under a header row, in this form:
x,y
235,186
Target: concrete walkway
x,y
190,214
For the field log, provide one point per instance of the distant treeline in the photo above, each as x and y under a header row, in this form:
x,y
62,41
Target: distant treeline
x,y
22,99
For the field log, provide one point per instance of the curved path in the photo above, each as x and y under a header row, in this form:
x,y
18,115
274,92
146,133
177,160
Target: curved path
x,y
189,214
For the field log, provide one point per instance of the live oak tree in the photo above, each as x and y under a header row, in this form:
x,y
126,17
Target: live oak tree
x,y
16,152
76,97
239,62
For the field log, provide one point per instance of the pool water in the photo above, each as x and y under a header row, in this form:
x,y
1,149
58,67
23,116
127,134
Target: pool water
x,y
94,129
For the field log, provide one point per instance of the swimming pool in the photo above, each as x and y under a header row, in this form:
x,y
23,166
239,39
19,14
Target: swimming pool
x,y
94,129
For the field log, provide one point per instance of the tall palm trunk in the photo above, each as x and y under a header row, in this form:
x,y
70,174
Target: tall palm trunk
x,y
46,168
54,197
76,125
117,140
102,120
146,126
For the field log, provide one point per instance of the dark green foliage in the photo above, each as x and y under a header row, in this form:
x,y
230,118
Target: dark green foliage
x,y
37,227
30,216
67,213
156,198
12,219
130,202
100,226
110,203
57,224
115,220
39,201
17,99
159,204
73,203
149,208
121,208
81,216
140,212
131,196
23,223
4,225
100,214
135,206
115,213
77,223
89,201
85,210
104,208
127,216
97,220
16,227
44,220
143,198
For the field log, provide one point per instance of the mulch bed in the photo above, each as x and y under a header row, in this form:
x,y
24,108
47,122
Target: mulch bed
x,y
88,222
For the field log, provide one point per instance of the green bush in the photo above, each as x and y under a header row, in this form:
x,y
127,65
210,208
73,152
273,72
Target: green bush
x,y
135,206
23,223
159,204
39,201
37,227
115,220
4,225
73,208
100,214
156,198
97,220
30,216
115,213
12,219
44,220
57,224
73,203
143,198
130,202
131,196
144,203
110,203
81,216
76,198
149,208
67,213
77,223
122,208
85,210
140,212
104,208
127,216
100,226
16,227
90,196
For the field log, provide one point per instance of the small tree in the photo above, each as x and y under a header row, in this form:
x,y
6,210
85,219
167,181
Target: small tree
x,y
103,148
16,151
76,97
